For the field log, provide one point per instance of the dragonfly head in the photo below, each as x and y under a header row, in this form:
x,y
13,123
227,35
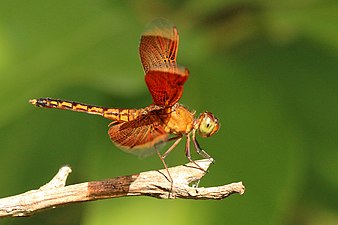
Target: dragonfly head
x,y
207,124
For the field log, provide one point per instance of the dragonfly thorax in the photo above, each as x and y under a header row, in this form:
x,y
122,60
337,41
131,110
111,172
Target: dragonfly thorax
x,y
179,121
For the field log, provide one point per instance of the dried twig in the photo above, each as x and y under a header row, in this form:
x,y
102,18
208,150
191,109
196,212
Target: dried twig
x,y
150,183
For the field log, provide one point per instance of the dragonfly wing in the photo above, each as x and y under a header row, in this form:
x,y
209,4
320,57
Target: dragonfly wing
x,y
158,52
159,44
166,87
138,136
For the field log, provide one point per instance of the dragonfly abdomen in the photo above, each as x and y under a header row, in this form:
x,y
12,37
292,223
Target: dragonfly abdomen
x,y
121,115
67,105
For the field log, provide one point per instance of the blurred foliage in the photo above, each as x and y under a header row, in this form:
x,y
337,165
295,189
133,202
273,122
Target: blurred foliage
x,y
267,69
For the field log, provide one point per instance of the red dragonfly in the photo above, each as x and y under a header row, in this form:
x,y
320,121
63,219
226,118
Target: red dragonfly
x,y
138,130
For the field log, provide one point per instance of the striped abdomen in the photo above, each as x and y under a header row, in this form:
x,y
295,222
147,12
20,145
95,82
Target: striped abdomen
x,y
121,115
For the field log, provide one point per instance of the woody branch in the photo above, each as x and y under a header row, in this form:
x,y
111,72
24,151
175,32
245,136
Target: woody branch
x,y
150,183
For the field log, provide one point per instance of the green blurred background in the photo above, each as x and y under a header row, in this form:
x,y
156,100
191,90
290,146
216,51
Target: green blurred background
x,y
267,69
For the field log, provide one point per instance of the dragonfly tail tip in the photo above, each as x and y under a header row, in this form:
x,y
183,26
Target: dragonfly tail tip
x,y
33,101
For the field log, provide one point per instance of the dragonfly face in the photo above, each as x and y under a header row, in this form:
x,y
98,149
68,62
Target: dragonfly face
x,y
207,124
135,129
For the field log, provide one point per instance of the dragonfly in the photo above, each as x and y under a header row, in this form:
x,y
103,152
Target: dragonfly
x,y
141,131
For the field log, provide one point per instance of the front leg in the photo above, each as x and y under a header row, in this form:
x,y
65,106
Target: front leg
x,y
198,148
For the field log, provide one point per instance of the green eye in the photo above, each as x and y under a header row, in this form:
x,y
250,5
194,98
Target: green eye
x,y
208,124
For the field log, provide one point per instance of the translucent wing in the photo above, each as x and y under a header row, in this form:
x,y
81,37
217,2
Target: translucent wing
x,y
159,44
158,51
139,135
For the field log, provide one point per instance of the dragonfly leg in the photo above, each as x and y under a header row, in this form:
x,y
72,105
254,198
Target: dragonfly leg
x,y
170,179
178,139
188,155
198,148
162,157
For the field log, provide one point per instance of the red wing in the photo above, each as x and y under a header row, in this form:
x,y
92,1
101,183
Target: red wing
x,y
158,51
142,133
159,44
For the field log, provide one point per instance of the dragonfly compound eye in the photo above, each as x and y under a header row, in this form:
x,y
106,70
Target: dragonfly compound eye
x,y
208,124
